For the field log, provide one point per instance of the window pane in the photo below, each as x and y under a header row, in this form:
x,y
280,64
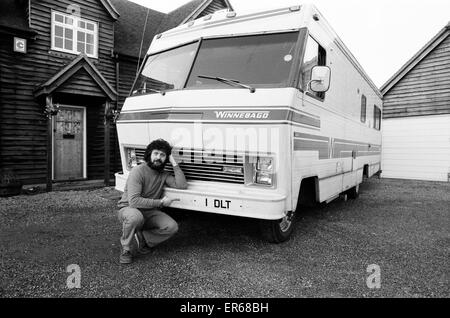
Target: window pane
x,y
80,47
58,42
377,118
264,60
363,108
314,55
89,38
59,18
68,45
82,24
166,70
90,26
90,49
310,60
81,36
68,33
68,20
59,31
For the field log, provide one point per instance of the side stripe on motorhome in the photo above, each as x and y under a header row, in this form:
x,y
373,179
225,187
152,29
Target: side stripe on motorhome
x,y
307,142
330,148
253,116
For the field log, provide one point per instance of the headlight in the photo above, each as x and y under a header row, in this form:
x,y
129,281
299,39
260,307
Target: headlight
x,y
261,169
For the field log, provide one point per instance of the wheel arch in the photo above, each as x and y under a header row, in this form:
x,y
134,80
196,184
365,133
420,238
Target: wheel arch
x,y
308,194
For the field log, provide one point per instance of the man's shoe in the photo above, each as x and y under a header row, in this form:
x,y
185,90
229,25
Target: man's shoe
x,y
142,247
125,257
144,250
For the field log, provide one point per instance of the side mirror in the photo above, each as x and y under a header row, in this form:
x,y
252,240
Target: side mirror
x,y
320,79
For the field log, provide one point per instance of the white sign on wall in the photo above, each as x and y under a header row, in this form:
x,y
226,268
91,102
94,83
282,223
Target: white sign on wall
x,y
20,45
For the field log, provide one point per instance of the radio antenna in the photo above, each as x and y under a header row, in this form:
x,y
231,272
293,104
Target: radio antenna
x,y
142,41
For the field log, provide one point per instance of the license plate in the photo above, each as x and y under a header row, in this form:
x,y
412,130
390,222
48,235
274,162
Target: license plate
x,y
222,204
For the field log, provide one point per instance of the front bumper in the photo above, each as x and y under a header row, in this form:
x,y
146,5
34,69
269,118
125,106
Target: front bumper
x,y
226,199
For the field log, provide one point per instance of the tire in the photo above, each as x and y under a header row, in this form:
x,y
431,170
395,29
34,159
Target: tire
x,y
278,231
353,193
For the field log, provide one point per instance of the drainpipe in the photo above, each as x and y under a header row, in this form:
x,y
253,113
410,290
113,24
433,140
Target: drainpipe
x,y
116,143
49,106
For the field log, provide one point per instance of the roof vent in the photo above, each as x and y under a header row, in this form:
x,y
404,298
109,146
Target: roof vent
x,y
294,8
191,23
208,17
316,17
231,14
158,36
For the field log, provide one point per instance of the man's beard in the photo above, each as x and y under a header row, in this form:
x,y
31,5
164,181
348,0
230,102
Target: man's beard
x,y
157,165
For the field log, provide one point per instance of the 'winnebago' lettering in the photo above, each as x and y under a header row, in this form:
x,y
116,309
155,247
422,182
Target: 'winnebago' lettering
x,y
241,115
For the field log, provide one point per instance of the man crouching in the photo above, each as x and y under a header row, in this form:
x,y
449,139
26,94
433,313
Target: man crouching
x,y
141,201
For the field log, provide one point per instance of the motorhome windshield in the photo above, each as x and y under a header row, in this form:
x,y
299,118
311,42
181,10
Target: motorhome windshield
x,y
257,60
165,71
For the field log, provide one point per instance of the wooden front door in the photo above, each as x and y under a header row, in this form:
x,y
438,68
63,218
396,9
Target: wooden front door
x,y
68,136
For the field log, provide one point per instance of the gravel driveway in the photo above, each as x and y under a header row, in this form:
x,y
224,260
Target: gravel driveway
x,y
401,226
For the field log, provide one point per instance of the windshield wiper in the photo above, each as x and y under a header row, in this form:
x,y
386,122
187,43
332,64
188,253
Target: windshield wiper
x,y
228,81
145,90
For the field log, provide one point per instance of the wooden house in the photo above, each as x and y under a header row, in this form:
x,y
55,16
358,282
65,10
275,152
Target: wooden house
x,y
57,76
65,69
416,115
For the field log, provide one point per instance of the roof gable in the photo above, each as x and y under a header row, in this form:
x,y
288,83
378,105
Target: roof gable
x,y
191,11
110,8
66,73
206,7
416,59
175,17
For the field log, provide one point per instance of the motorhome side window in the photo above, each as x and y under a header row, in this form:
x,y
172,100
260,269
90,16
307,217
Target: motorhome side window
x,y
376,118
363,108
314,55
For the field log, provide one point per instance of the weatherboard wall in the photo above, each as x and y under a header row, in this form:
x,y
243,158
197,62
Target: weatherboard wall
x,y
23,131
425,89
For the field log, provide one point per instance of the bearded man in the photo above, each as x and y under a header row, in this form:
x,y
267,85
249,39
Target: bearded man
x,y
141,201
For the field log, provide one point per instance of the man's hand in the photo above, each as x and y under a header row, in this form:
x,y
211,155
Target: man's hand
x,y
165,202
172,161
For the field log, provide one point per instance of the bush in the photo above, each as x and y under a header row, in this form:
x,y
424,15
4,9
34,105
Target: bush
x,y
9,184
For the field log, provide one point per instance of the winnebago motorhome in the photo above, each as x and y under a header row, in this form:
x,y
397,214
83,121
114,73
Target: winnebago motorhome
x,y
267,112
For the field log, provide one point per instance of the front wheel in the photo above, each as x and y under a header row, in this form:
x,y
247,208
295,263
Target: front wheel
x,y
278,231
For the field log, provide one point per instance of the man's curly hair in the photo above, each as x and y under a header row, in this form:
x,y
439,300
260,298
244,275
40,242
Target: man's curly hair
x,y
158,144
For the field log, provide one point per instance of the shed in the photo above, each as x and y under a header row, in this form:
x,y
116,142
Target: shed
x,y
416,115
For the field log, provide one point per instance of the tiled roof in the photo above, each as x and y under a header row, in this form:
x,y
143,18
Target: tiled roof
x,y
178,15
13,16
128,28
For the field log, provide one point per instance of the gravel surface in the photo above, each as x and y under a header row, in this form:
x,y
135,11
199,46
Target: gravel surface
x,y
401,226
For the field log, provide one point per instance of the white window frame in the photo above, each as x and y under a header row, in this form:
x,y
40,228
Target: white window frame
x,y
75,30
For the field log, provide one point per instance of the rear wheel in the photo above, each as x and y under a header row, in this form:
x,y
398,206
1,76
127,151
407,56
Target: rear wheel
x,y
278,231
353,193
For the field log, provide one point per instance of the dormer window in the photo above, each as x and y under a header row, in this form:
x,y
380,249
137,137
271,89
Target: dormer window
x,y
72,34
